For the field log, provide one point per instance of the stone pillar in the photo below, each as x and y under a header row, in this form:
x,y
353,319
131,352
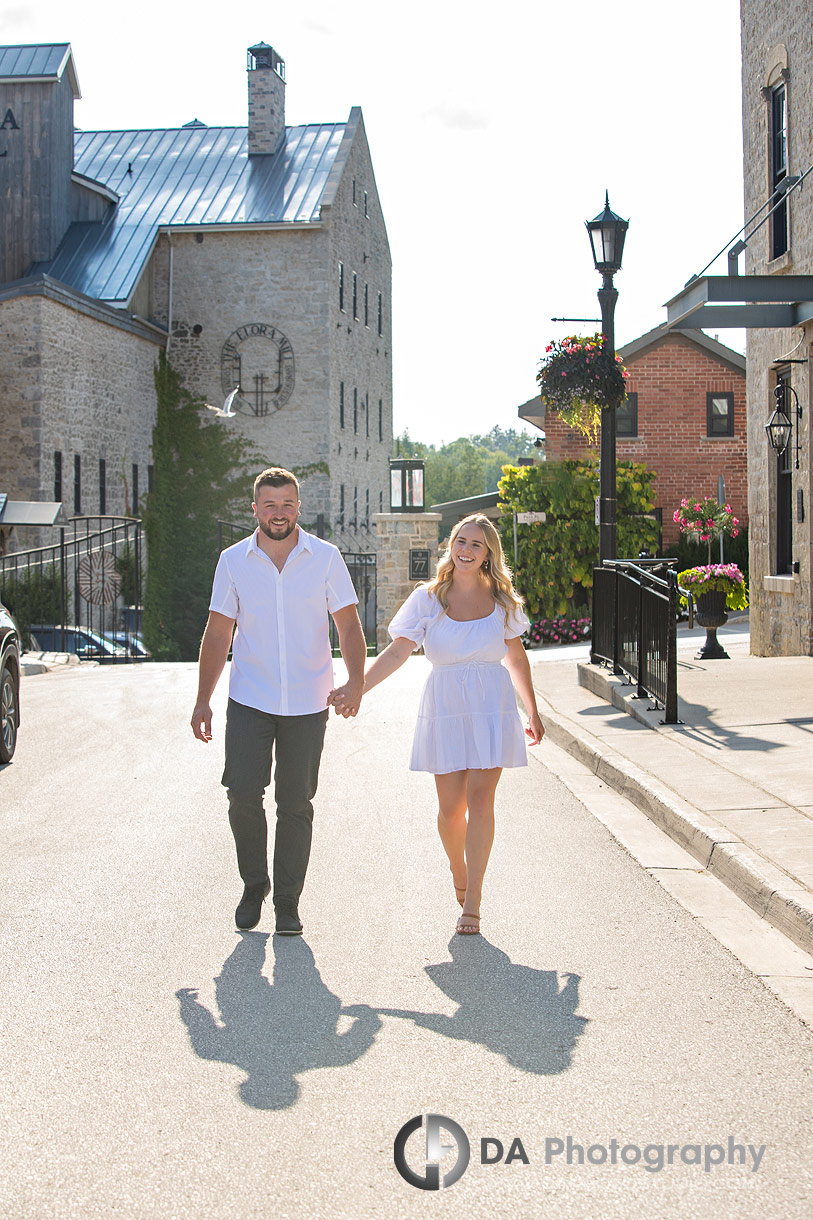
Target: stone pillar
x,y
396,535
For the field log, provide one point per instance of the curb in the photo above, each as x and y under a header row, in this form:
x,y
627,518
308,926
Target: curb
x,y
759,883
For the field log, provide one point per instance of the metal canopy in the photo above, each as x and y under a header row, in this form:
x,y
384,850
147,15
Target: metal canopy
x,y
768,302
29,512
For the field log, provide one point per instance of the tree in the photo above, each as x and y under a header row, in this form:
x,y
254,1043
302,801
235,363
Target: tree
x,y
200,471
468,466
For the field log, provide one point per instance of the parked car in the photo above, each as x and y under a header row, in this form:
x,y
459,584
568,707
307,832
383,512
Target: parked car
x,y
9,684
132,644
88,645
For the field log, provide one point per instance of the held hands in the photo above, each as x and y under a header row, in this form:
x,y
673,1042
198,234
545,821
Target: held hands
x,y
535,729
202,721
346,699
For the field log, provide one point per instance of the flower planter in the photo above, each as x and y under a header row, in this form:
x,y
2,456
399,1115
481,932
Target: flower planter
x,y
711,614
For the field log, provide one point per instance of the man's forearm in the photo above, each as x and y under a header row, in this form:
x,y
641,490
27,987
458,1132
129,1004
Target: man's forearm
x,y
214,651
353,648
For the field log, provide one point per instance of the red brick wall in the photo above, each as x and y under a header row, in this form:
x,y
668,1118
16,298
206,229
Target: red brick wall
x,y
672,379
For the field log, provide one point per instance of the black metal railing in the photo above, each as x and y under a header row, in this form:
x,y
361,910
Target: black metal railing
x,y
635,610
81,594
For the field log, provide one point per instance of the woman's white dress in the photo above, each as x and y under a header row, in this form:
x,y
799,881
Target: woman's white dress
x,y
468,713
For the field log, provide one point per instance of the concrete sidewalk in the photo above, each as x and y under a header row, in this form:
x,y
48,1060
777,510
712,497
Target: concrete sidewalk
x,y
733,783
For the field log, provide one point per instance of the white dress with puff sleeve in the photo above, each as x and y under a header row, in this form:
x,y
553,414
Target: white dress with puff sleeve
x,y
468,714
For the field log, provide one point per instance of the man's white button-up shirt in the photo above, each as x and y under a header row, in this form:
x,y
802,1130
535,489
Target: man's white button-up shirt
x,y
281,657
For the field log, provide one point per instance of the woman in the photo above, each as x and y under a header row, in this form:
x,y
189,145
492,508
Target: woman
x,y
469,619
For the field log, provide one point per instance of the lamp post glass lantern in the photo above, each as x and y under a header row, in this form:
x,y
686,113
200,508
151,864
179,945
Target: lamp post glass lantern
x,y
607,233
406,485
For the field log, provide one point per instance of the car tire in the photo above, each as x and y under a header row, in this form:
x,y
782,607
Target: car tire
x,y
9,714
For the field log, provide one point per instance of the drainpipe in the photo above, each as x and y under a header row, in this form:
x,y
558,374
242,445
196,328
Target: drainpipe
x,y
169,311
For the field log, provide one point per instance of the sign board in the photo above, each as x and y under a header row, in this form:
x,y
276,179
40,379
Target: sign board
x,y
419,564
598,510
531,518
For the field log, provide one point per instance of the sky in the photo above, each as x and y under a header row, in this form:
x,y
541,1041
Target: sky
x,y
494,131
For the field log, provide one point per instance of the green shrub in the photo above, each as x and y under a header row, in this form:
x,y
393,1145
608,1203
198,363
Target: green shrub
x,y
554,568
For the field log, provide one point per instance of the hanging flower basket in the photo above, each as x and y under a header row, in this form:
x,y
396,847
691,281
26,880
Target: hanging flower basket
x,y
580,376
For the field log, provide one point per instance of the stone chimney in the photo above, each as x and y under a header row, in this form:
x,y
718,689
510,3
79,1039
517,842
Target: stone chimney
x,y
266,99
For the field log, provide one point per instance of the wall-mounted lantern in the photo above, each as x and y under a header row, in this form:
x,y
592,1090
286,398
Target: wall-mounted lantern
x,y
406,485
779,426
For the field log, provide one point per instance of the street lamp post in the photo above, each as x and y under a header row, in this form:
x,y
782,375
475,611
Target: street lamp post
x,y
607,232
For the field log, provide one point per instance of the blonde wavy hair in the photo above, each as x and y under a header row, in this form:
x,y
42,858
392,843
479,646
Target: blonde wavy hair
x,y
495,572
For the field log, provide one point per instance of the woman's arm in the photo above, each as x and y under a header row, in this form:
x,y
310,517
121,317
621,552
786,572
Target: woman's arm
x,y
518,666
385,663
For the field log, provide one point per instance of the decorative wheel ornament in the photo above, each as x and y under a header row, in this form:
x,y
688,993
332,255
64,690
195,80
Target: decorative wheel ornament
x,y
99,581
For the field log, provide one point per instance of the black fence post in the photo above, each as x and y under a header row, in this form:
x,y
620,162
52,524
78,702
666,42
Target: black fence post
x,y
671,701
616,667
640,692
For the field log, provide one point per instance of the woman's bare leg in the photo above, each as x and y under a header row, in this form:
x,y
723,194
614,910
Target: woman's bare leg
x,y
480,790
452,824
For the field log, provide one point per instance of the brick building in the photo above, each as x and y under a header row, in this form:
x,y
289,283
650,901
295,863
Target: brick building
x,y
256,256
684,419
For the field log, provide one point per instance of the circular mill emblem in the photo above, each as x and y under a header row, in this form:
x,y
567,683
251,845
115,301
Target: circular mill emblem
x,y
98,579
258,359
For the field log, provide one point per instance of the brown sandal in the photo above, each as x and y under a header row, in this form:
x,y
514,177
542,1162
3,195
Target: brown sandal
x,y
462,929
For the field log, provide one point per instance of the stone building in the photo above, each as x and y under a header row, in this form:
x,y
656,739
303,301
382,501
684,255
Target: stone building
x,y
256,256
774,301
684,419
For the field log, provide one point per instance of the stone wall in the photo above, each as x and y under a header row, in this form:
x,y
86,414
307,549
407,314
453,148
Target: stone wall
x,y
775,47
360,358
396,535
77,381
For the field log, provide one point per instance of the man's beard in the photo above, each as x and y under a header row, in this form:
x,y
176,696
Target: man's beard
x,y
278,533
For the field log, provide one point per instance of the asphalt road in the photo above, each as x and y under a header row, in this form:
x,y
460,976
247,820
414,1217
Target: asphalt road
x,y
158,1064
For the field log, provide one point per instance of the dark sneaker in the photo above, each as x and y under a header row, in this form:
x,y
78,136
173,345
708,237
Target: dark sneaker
x,y
250,907
288,923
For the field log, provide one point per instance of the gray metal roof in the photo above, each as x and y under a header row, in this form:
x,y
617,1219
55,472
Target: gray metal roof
x,y
185,176
40,62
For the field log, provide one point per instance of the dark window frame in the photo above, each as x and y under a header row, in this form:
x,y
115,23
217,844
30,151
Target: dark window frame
x,y
77,485
783,520
711,417
366,304
58,475
341,287
355,409
380,315
778,118
135,489
355,296
341,404
102,487
631,402
380,420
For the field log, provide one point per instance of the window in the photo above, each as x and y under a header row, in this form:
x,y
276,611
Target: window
x,y
626,416
367,414
366,213
719,414
380,420
58,476
366,305
341,287
381,501
355,205
355,410
355,507
367,509
341,404
77,484
380,315
102,486
341,504
355,296
784,497
135,489
779,168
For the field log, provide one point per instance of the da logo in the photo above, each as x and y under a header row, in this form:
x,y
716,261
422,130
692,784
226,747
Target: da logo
x,y
435,1152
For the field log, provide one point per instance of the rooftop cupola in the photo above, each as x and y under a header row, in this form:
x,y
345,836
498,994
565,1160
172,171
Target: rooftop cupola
x,y
266,99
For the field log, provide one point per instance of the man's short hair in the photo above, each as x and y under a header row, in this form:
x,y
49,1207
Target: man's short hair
x,y
275,476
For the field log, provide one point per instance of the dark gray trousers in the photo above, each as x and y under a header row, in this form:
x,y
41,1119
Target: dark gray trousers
x,y
253,738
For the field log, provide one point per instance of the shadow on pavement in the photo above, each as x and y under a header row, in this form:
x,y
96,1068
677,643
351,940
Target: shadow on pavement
x,y
512,1010
274,1031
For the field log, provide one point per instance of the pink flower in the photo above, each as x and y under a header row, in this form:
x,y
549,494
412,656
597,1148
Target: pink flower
x,y
684,504
728,508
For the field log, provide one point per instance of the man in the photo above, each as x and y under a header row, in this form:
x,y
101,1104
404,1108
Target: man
x,y
278,586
